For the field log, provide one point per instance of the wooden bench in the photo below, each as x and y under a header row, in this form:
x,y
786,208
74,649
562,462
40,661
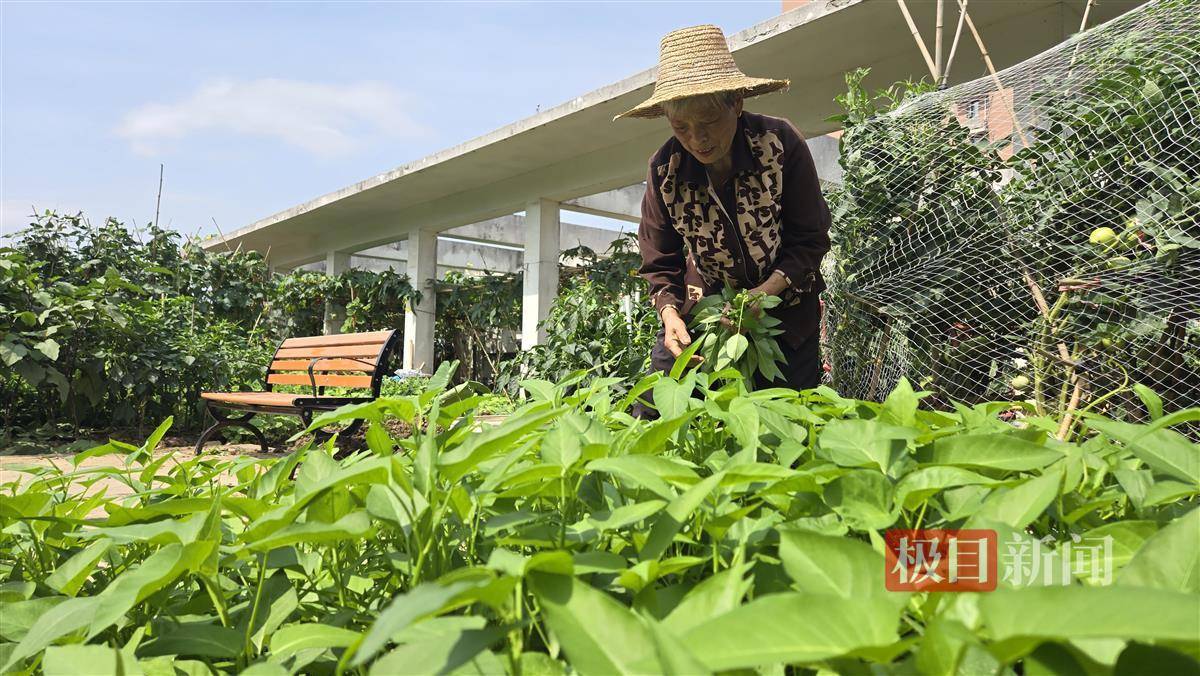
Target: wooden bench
x,y
348,360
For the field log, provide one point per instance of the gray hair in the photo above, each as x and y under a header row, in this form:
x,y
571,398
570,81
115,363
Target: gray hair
x,y
725,100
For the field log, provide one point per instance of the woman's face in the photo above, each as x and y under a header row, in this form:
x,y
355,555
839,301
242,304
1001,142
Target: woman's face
x,y
706,129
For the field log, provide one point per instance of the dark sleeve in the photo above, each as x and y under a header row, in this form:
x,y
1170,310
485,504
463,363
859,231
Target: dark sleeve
x,y
661,246
805,216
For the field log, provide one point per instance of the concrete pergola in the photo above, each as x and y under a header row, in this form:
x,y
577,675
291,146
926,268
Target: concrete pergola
x,y
574,157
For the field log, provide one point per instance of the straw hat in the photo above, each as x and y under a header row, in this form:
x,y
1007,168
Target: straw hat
x,y
695,61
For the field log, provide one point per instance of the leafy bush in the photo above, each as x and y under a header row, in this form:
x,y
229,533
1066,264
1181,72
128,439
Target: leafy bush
x,y
597,323
101,328
740,531
104,327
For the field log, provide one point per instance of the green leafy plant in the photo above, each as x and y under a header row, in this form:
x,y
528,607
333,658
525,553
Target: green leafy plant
x,y
736,332
740,531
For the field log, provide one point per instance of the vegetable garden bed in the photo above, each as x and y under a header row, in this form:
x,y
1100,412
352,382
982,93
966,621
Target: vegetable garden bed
x,y
740,531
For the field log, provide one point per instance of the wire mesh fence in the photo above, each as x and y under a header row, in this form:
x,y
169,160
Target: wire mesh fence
x,y
1033,234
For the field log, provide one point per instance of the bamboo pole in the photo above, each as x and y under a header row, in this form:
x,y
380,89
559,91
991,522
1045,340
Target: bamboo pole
x,y
1039,299
962,14
1065,426
987,59
1087,9
937,40
912,26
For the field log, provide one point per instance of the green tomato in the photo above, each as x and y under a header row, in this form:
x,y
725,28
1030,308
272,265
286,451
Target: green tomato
x,y
1019,382
1101,236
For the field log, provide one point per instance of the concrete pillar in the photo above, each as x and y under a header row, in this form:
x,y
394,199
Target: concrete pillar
x,y
540,267
336,262
419,320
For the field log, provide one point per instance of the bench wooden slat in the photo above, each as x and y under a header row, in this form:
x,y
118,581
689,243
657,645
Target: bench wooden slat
x,y
337,351
324,365
322,380
377,338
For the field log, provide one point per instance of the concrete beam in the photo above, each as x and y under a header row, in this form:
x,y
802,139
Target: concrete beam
x,y
541,269
624,204
452,254
336,262
419,318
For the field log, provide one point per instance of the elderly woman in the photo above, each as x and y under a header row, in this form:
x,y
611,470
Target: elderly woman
x,y
731,197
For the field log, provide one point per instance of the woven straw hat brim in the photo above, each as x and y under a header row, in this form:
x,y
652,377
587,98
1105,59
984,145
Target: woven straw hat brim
x,y
743,84
693,61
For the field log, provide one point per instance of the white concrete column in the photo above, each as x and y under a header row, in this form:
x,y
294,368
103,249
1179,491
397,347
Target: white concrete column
x,y
419,320
541,268
336,262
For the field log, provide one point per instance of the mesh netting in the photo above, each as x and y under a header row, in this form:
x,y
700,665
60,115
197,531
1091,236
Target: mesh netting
x,y
1033,235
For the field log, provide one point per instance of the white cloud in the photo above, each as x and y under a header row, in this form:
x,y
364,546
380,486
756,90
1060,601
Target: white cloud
x,y
323,119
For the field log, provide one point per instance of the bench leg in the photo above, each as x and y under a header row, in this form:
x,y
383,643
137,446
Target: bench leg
x,y
223,421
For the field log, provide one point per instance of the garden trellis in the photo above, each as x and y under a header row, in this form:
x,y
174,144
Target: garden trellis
x,y
1031,234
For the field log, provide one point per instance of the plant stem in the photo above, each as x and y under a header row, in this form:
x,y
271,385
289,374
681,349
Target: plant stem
x,y
248,648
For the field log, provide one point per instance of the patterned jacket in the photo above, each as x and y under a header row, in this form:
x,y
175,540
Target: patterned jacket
x,y
770,219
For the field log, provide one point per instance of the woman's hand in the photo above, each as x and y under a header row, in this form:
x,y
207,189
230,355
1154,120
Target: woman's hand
x,y
675,333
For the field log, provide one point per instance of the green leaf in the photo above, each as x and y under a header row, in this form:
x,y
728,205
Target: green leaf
x,y
1091,612
197,640
439,654
626,515
70,576
671,520
263,669
423,601
1168,560
743,422
649,439
922,484
1144,660
863,443
353,526
792,628
599,635
48,347
133,586
73,660
561,445
671,658
901,405
63,619
1127,538
1165,451
1020,506
645,471
1153,402
714,596
18,617
280,601
837,566
864,499
1005,450
672,398
295,638
479,447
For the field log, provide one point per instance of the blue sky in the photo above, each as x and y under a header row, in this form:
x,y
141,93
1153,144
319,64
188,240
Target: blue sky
x,y
254,108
